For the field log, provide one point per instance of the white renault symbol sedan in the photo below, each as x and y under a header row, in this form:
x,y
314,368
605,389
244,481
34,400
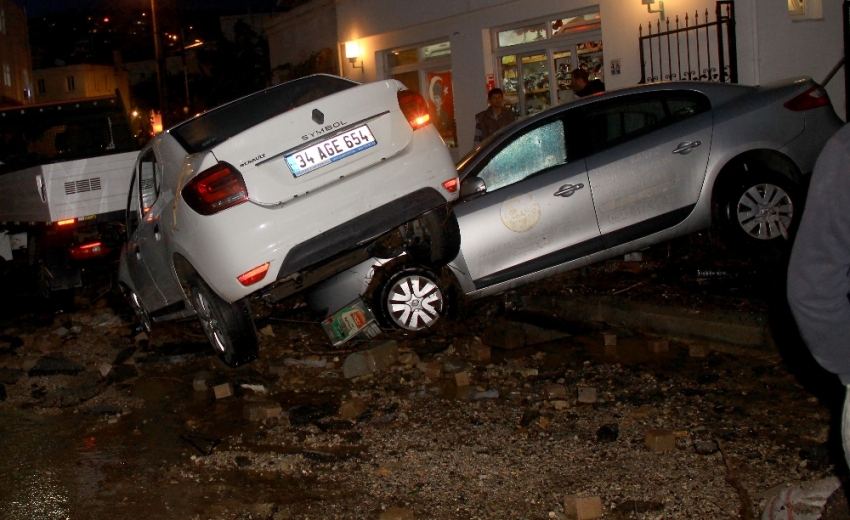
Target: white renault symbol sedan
x,y
278,190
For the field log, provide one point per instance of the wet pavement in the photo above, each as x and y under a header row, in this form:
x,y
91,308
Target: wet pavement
x,y
499,410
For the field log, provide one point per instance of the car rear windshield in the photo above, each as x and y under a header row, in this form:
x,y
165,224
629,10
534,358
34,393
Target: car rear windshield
x,y
211,128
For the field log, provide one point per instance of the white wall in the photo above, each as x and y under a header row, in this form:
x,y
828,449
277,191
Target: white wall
x,y
770,45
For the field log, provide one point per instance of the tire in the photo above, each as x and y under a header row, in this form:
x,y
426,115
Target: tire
x,y
229,327
433,239
139,309
760,209
411,299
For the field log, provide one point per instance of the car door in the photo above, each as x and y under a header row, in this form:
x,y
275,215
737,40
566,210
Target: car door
x,y
646,159
152,238
537,204
143,282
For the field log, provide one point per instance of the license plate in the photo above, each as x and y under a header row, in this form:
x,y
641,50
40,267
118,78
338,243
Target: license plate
x,y
330,150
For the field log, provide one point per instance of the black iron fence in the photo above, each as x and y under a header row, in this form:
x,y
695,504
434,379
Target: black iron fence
x,y
699,50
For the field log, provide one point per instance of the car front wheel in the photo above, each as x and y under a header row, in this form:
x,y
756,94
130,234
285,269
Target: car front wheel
x,y
229,327
411,299
762,209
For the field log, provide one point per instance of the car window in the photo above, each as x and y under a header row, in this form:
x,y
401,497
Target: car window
x,y
533,151
612,122
210,128
149,180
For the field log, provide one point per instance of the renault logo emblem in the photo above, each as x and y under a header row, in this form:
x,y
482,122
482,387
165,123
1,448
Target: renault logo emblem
x,y
318,116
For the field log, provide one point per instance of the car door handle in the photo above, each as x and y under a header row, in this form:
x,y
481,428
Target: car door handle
x,y
567,190
686,147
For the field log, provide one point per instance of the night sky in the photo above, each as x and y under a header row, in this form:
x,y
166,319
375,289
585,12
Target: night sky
x,y
41,7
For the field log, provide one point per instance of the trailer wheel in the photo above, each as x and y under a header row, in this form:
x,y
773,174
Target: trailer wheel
x,y
229,327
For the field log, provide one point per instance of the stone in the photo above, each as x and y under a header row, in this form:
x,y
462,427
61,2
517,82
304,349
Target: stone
x,y
511,335
609,338
409,358
582,508
560,405
454,365
698,350
201,381
527,372
223,390
48,343
432,371
658,346
61,332
352,408
587,395
660,440
277,366
261,411
397,513
369,361
55,365
267,331
478,352
104,369
462,379
642,412
554,391
141,336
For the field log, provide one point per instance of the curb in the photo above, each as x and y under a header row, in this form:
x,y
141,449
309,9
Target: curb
x,y
733,327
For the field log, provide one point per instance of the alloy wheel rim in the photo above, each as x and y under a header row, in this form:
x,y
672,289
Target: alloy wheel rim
x,y
209,323
765,211
415,302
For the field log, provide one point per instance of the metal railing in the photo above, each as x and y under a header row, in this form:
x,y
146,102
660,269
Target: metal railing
x,y
690,46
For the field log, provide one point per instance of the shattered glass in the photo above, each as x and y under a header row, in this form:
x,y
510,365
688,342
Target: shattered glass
x,y
528,154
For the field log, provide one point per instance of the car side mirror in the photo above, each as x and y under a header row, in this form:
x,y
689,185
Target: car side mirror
x,y
472,188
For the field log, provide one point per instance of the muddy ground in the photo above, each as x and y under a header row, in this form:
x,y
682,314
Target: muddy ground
x,y
97,421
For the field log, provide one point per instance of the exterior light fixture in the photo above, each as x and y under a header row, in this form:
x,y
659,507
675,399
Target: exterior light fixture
x,y
352,52
650,3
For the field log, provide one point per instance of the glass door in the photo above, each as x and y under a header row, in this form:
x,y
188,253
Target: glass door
x,y
536,93
563,65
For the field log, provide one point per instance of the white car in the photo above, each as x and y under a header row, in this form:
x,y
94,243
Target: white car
x,y
268,194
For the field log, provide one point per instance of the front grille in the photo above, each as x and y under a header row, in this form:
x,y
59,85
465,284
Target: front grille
x,y
82,186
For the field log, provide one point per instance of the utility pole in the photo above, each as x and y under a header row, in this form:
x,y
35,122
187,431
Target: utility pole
x,y
159,67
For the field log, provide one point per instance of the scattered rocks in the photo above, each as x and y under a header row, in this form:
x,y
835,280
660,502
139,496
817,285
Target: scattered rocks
x,y
660,440
370,361
261,411
352,408
587,394
582,508
554,391
223,391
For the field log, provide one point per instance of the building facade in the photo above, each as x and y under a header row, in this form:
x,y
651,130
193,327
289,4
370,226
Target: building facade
x,y
16,84
81,81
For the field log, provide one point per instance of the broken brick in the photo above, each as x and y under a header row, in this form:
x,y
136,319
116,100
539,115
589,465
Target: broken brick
x,y
462,379
587,394
582,508
222,391
262,411
660,440
352,408
479,352
554,391
658,346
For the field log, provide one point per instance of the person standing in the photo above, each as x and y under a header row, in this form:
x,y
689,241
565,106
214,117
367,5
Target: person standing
x,y
582,86
495,117
819,268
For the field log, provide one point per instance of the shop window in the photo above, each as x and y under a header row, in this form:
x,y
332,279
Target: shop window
x,y
427,69
534,33
805,10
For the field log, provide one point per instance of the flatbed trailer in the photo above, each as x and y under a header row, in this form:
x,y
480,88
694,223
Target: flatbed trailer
x,y
65,171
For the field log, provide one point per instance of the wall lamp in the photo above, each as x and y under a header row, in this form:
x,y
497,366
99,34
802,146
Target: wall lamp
x,y
650,3
352,52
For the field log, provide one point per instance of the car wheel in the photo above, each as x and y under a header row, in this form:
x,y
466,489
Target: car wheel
x,y
229,327
141,313
411,299
433,239
762,209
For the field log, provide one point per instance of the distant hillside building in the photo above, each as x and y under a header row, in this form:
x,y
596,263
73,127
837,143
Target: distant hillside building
x,y
15,62
83,81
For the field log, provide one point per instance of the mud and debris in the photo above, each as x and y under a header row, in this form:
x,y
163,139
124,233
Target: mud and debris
x,y
499,412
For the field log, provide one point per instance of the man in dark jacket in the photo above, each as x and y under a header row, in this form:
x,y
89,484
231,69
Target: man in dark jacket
x,y
582,86
495,117
819,270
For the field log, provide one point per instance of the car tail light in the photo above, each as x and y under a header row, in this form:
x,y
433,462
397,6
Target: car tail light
x,y
813,98
66,222
451,185
254,275
216,189
89,250
414,108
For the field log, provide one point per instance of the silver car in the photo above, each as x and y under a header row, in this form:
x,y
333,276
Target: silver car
x,y
609,175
